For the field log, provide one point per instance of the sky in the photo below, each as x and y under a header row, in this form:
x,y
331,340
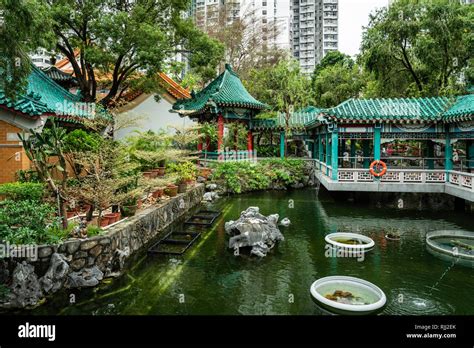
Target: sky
x,y
353,15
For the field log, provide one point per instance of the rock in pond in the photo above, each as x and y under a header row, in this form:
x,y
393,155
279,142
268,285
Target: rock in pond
x,y
254,230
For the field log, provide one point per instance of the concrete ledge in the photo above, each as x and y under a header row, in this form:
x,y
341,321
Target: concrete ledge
x,y
447,188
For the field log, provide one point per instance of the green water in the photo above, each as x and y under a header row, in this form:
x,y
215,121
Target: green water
x,y
209,279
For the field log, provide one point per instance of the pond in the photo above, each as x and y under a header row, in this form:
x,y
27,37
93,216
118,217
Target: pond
x,y
209,279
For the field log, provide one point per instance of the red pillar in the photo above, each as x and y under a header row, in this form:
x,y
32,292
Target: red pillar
x,y
220,133
249,141
199,143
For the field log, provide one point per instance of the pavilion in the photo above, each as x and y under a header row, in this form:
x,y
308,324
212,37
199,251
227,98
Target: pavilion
x,y
223,100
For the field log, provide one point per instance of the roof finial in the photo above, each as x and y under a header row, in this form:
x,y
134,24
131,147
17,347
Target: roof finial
x,y
228,67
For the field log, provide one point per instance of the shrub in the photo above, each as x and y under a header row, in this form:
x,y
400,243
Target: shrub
x,y
22,191
239,177
28,222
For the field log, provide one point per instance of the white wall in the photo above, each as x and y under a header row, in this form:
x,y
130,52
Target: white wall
x,y
153,116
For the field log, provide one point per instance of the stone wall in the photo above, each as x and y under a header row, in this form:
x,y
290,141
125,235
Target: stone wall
x,y
85,262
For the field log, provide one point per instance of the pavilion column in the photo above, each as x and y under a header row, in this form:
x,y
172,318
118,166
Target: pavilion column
x,y
334,151
353,151
366,154
448,154
220,133
470,154
249,141
327,152
320,147
282,144
199,146
430,160
377,142
316,146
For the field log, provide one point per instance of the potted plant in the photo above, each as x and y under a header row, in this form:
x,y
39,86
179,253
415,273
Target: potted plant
x,y
171,190
158,192
186,172
130,206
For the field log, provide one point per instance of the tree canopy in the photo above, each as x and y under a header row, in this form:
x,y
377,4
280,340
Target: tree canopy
x,y
420,47
126,41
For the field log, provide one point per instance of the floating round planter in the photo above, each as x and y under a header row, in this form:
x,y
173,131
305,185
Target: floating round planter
x,y
391,236
350,242
348,295
452,246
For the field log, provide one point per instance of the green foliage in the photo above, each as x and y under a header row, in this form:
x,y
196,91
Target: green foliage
x,y
4,291
80,140
337,83
419,47
236,137
184,170
241,177
28,222
28,176
283,86
130,40
331,59
24,28
22,191
93,230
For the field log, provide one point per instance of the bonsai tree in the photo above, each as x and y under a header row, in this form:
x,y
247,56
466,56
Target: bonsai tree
x,y
151,150
109,177
46,151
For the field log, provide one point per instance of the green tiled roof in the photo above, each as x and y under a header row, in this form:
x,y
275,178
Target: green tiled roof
x,y
44,96
225,91
461,110
58,75
301,119
383,110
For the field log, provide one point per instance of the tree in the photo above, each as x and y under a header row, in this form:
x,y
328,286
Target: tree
x,y
283,87
126,40
419,47
249,42
337,83
22,24
333,58
108,177
41,149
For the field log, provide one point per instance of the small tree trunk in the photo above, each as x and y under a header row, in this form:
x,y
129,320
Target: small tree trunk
x,y
63,212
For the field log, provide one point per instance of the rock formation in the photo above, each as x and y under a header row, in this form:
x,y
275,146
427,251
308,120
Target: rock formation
x,y
254,230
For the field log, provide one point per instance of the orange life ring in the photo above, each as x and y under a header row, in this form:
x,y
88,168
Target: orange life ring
x,y
378,163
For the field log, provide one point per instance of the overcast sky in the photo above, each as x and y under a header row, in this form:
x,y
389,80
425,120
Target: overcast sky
x,y
353,15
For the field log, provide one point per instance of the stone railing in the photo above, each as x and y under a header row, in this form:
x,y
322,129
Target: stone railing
x,y
394,175
461,179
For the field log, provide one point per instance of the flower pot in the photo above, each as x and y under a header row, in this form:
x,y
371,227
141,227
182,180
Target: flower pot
x,y
139,203
113,217
204,172
158,193
182,187
171,190
129,210
159,171
71,213
190,182
148,175
104,221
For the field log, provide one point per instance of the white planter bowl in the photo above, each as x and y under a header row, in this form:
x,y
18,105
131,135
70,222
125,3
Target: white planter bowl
x,y
371,294
366,242
450,253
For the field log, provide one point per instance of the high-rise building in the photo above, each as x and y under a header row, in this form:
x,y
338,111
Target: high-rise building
x,y
274,14
314,31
